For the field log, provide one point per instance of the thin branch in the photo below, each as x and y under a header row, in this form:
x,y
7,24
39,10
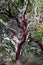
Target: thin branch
x,y
1,21
16,7
14,32
4,13
25,7
38,42
9,10
5,24
12,17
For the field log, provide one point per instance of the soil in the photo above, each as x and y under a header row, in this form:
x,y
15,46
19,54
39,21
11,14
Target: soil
x,y
23,63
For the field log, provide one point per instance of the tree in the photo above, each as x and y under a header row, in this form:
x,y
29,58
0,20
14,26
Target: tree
x,y
19,20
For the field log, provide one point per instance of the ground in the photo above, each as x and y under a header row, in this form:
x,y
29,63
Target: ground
x,y
24,63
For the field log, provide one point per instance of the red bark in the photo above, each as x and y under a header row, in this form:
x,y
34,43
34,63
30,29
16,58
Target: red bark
x,y
38,42
22,40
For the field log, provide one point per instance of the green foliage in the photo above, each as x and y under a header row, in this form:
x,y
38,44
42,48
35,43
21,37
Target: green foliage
x,y
19,3
37,35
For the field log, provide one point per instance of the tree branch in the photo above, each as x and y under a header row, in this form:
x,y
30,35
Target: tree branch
x,y
12,17
20,45
9,10
25,7
38,42
5,24
16,7
24,29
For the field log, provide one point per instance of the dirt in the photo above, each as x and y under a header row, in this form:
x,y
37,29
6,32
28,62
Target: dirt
x,y
23,63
